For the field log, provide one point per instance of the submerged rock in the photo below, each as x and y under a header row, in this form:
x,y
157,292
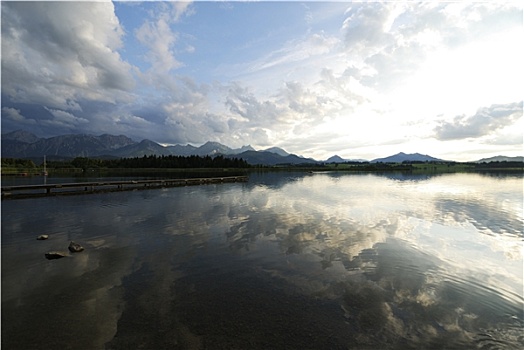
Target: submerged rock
x,y
42,237
75,247
55,255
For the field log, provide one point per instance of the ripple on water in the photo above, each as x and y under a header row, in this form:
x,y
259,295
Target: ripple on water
x,y
318,263
494,314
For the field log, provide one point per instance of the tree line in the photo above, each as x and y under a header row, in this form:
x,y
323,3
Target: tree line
x,y
153,161
18,163
500,165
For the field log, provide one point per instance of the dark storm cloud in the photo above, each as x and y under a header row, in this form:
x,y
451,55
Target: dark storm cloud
x,y
486,121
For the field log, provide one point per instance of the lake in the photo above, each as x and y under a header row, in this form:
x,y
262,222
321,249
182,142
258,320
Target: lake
x,y
286,260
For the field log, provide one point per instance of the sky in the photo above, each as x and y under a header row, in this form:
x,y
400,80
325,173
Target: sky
x,y
361,80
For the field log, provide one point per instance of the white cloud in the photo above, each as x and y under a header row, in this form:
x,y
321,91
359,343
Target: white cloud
x,y
361,80
181,8
157,34
396,39
64,119
159,38
296,51
75,45
296,60
486,121
133,121
14,115
384,75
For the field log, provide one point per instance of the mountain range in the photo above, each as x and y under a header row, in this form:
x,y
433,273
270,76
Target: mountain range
x,y
23,144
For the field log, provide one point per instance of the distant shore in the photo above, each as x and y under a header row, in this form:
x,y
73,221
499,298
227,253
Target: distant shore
x,y
422,168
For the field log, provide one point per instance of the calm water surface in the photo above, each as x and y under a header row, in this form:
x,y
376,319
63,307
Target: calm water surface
x,y
295,261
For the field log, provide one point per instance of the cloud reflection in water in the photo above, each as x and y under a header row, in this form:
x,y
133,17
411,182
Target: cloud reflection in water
x,y
409,262
407,249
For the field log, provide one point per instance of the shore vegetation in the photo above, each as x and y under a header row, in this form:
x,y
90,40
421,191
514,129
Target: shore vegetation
x,y
171,164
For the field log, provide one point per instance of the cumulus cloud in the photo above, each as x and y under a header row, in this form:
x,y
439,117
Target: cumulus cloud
x,y
194,127
245,104
364,26
392,40
295,111
330,80
76,47
187,114
486,121
159,38
181,8
64,119
179,106
81,81
15,115
252,120
382,45
288,114
133,121
506,139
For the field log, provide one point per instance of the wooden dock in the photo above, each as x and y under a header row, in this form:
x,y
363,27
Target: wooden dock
x,y
26,191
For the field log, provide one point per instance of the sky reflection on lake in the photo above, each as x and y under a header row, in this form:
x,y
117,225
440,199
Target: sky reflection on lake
x,y
287,260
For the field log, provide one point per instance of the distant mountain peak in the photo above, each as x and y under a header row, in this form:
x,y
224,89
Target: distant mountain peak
x,y
277,150
21,136
403,157
212,143
500,159
335,159
213,148
244,149
147,141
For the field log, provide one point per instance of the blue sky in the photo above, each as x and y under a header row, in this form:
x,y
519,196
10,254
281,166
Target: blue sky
x,y
357,79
